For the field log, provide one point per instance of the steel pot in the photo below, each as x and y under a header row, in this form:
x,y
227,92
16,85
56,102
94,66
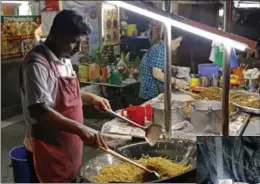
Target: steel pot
x,y
204,81
206,116
251,84
178,113
175,149
194,75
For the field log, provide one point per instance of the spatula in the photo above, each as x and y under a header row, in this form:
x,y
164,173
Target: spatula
x,y
151,175
152,132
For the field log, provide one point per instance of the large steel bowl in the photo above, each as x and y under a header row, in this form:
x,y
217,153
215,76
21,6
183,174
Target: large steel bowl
x,y
176,149
244,108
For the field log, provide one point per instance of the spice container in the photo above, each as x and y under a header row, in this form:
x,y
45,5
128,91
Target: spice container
x,y
94,72
204,81
83,72
104,72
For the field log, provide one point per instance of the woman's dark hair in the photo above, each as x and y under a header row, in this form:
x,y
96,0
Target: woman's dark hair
x,y
176,32
70,23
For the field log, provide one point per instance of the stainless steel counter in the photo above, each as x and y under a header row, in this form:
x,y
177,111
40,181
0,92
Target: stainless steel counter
x,y
238,126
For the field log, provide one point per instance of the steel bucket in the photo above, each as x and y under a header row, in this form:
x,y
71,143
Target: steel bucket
x,y
206,116
178,113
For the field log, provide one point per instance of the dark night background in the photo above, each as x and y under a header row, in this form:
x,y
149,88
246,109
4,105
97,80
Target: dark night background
x,y
241,159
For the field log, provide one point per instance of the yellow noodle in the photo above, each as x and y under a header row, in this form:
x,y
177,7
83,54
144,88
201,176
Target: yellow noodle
x,y
124,172
215,93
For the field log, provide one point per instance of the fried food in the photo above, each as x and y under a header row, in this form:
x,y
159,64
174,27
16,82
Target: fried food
x,y
125,172
213,93
250,101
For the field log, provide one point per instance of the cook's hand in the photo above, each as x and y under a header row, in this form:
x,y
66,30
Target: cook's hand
x,y
92,139
101,104
181,84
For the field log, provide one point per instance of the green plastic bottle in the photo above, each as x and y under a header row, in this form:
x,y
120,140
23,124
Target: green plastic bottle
x,y
219,55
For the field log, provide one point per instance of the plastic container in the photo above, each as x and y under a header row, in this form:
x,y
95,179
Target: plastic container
x,y
104,71
208,70
131,29
20,165
83,73
94,72
114,78
194,82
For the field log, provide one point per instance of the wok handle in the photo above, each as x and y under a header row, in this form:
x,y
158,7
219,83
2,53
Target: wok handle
x,y
123,158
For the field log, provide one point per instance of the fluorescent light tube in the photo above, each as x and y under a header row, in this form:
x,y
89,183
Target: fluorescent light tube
x,y
221,12
15,2
247,4
242,5
180,25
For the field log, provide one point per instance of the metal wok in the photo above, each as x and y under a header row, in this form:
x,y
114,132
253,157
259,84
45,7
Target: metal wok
x,y
176,149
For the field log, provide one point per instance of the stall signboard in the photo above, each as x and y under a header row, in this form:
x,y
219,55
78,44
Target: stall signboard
x,y
111,26
18,35
94,37
90,9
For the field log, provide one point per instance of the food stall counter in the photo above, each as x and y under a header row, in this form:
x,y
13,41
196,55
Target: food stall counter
x,y
240,124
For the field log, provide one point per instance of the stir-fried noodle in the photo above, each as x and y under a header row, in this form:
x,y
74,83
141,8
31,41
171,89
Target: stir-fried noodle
x,y
125,172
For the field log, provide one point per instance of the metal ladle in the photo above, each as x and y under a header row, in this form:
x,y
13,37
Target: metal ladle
x,y
152,132
151,175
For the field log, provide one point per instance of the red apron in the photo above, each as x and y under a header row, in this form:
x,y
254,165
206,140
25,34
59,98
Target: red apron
x,y
58,155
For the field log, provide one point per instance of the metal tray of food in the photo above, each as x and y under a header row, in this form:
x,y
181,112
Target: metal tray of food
x,y
247,98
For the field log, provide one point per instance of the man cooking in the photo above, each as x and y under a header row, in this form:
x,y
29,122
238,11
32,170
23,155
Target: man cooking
x,y
151,71
52,103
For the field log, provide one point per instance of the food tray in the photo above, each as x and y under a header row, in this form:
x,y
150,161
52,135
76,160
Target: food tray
x,y
244,108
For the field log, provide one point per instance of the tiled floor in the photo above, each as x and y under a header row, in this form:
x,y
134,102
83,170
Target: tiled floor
x,y
11,121
13,131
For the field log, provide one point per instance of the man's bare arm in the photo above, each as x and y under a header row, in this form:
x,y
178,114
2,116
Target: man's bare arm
x,y
47,115
87,97
99,103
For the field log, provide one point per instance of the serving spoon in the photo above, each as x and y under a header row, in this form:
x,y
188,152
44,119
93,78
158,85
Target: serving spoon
x,y
150,176
152,132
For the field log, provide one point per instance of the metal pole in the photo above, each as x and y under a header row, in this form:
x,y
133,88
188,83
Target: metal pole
x,y
219,158
226,71
167,81
167,75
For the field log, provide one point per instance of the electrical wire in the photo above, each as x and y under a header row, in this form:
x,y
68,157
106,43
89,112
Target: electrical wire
x,y
234,160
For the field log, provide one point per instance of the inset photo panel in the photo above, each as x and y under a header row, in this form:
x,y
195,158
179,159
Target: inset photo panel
x,y
228,160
